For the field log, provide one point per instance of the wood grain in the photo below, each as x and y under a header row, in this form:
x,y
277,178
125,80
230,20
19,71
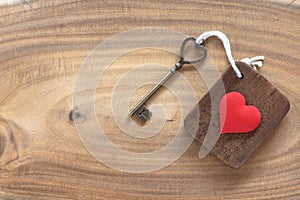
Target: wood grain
x,y
235,149
41,50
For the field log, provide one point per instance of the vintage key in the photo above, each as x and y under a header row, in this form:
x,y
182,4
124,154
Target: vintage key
x,y
140,110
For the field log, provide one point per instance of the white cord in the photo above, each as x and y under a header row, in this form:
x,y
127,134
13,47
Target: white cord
x,y
254,62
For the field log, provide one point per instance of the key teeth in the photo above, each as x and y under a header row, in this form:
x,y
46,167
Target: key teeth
x,y
143,114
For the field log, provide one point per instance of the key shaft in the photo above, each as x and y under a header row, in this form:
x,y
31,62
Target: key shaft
x,y
143,100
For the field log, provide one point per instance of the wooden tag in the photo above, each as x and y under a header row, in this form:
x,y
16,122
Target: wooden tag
x,y
236,148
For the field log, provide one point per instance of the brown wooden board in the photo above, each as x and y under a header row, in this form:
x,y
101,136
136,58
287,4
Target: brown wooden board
x,y
41,50
236,148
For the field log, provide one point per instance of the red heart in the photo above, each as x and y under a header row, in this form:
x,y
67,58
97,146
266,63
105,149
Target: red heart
x,y
235,116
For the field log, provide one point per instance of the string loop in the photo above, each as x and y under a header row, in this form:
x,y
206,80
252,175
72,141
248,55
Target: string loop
x,y
253,62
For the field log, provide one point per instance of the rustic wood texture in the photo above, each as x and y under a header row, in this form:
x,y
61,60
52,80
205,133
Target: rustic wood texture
x,y
42,47
235,149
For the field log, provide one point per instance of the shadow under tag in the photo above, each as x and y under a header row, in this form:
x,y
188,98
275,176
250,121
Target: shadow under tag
x,y
236,148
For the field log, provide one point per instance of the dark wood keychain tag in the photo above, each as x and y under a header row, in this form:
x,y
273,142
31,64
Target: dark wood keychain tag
x,y
236,148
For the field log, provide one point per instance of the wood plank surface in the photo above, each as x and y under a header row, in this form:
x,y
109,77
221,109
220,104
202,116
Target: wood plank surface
x,y
44,43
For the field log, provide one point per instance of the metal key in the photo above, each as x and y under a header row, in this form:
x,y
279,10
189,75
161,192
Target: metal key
x,y
140,110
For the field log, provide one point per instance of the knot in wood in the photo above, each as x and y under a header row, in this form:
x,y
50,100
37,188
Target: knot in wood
x,y
77,116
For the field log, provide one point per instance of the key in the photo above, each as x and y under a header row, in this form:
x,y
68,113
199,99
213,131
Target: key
x,y
140,110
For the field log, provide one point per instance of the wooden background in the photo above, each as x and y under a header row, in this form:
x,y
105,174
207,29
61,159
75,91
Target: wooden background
x,y
42,46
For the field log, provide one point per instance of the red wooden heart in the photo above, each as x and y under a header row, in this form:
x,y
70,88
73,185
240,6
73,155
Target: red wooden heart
x,y
236,116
